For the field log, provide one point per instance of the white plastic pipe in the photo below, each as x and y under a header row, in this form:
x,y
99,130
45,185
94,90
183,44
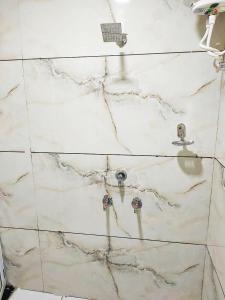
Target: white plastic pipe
x,y
208,37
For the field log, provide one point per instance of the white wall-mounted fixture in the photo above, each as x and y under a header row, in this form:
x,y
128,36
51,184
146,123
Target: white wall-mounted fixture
x,y
210,8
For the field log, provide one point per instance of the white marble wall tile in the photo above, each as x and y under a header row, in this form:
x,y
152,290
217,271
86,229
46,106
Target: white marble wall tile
x,y
101,268
212,289
218,258
216,235
151,27
220,143
22,258
175,208
128,104
17,205
13,113
10,41
70,188
216,240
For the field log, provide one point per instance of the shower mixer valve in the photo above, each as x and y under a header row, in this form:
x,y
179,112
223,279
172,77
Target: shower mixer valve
x,y
181,133
107,202
136,204
121,176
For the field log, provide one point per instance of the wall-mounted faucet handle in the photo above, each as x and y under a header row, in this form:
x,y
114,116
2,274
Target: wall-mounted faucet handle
x,y
107,201
136,204
121,176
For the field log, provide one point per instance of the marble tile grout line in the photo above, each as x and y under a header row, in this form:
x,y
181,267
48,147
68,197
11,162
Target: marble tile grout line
x,y
110,154
215,270
37,220
102,235
105,55
32,168
210,200
203,273
12,151
120,154
20,31
41,262
219,162
218,115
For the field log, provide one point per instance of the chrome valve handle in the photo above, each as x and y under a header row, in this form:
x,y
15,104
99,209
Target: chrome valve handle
x,y
136,204
107,202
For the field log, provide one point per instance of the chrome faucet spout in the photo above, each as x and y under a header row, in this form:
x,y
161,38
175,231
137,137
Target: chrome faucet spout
x,y
121,176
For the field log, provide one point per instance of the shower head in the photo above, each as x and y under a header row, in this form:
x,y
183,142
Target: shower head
x,y
112,32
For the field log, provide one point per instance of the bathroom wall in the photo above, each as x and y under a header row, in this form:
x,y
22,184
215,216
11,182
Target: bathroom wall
x,y
220,145
216,244
73,111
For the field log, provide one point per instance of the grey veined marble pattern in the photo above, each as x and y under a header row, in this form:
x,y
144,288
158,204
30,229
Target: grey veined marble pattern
x,y
101,268
17,205
175,194
13,112
127,104
21,255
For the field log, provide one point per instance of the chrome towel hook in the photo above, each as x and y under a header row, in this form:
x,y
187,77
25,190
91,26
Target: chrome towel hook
x,y
181,133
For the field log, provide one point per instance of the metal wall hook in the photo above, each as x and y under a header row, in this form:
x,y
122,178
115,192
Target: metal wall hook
x,y
136,204
121,176
107,201
181,133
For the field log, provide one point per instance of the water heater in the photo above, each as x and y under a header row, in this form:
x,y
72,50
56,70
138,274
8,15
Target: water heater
x,y
207,7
